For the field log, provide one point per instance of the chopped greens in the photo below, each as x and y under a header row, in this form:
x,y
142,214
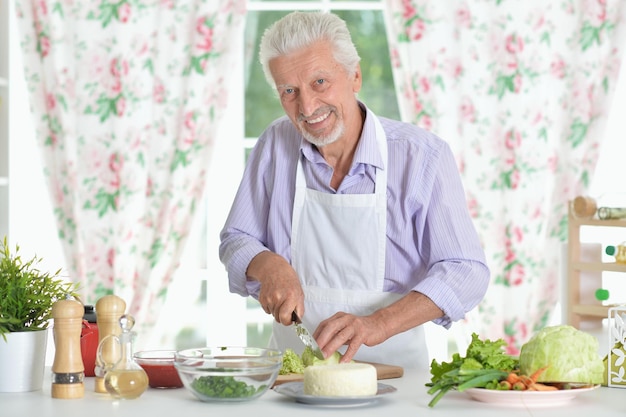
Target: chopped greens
x,y
292,363
224,387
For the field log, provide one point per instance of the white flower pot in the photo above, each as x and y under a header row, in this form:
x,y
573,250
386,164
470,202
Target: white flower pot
x,y
22,361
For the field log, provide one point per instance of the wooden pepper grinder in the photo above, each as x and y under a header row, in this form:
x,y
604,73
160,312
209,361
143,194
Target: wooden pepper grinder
x,y
109,309
68,371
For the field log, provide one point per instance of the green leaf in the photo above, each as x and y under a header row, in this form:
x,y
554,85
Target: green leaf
x,y
578,133
589,35
503,84
107,13
103,202
180,159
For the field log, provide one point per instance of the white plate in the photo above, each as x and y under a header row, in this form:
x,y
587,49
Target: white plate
x,y
527,398
295,390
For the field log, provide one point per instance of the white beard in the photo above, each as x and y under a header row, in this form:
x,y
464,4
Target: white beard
x,y
324,140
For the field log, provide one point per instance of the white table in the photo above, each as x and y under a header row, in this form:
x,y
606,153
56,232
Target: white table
x,y
410,399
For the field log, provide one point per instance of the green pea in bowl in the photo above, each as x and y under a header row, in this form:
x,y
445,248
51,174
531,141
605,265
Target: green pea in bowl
x,y
228,373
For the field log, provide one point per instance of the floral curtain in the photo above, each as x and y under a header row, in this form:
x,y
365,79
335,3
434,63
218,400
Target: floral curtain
x,y
126,97
521,90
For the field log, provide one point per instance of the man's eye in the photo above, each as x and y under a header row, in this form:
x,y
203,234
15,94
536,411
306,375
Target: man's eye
x,y
320,81
288,91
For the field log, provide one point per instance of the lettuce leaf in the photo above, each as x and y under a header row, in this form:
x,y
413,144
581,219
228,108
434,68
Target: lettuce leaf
x,y
292,363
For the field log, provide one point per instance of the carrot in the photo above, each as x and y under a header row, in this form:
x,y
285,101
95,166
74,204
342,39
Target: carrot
x,y
512,378
526,380
535,375
514,381
519,386
538,386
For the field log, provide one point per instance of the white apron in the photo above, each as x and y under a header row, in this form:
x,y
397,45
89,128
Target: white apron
x,y
338,251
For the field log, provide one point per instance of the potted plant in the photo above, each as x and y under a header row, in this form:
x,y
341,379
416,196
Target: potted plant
x,y
27,295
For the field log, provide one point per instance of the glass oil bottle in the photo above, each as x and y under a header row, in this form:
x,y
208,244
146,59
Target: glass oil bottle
x,y
125,379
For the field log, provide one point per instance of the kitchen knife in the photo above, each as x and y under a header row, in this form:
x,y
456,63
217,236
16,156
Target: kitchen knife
x,y
306,337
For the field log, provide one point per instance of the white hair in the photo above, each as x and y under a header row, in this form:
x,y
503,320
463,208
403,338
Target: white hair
x,y
299,30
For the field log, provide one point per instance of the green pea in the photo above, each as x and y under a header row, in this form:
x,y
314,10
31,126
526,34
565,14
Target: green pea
x,y
224,387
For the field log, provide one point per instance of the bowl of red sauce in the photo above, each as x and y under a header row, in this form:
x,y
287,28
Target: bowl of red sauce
x,y
159,365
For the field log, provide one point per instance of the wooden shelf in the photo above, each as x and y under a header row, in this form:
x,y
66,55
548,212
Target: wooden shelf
x,y
575,310
594,221
589,310
598,266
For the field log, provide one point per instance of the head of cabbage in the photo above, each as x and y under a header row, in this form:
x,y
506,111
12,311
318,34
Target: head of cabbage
x,y
571,355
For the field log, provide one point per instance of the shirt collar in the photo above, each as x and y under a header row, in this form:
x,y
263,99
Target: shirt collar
x,y
367,151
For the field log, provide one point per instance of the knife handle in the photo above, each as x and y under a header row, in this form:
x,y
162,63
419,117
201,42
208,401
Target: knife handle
x,y
295,318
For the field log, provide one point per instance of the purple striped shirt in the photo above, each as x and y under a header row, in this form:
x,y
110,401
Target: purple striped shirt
x,y
432,245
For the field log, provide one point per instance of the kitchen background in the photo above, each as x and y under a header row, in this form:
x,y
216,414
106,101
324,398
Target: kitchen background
x,y
199,309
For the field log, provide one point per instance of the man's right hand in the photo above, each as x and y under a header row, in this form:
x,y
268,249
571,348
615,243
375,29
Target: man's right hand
x,y
281,293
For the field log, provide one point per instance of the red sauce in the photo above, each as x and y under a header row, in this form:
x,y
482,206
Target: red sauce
x,y
162,376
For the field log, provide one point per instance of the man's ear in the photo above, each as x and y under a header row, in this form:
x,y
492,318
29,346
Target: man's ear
x,y
357,81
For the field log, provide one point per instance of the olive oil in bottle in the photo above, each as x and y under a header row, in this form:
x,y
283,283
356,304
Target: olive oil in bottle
x,y
126,383
125,379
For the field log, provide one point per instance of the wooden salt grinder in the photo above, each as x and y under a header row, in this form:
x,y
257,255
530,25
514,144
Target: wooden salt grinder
x,y
68,371
109,309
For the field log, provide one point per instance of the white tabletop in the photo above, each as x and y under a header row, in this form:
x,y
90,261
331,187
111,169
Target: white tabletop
x,y
410,399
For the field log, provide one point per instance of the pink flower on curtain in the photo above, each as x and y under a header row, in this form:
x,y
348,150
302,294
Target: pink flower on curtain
x,y
513,139
111,12
558,67
116,162
463,17
120,105
205,28
516,274
408,10
44,44
123,12
467,110
158,92
514,44
415,29
50,102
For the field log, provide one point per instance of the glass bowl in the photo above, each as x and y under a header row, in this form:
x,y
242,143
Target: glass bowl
x,y
159,365
228,373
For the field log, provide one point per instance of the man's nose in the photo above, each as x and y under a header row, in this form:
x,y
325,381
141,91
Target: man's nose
x,y
308,102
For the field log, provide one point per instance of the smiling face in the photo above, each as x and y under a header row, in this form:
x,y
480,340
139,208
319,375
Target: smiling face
x,y
318,94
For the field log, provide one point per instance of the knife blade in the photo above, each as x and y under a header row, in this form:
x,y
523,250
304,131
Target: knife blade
x,y
305,336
